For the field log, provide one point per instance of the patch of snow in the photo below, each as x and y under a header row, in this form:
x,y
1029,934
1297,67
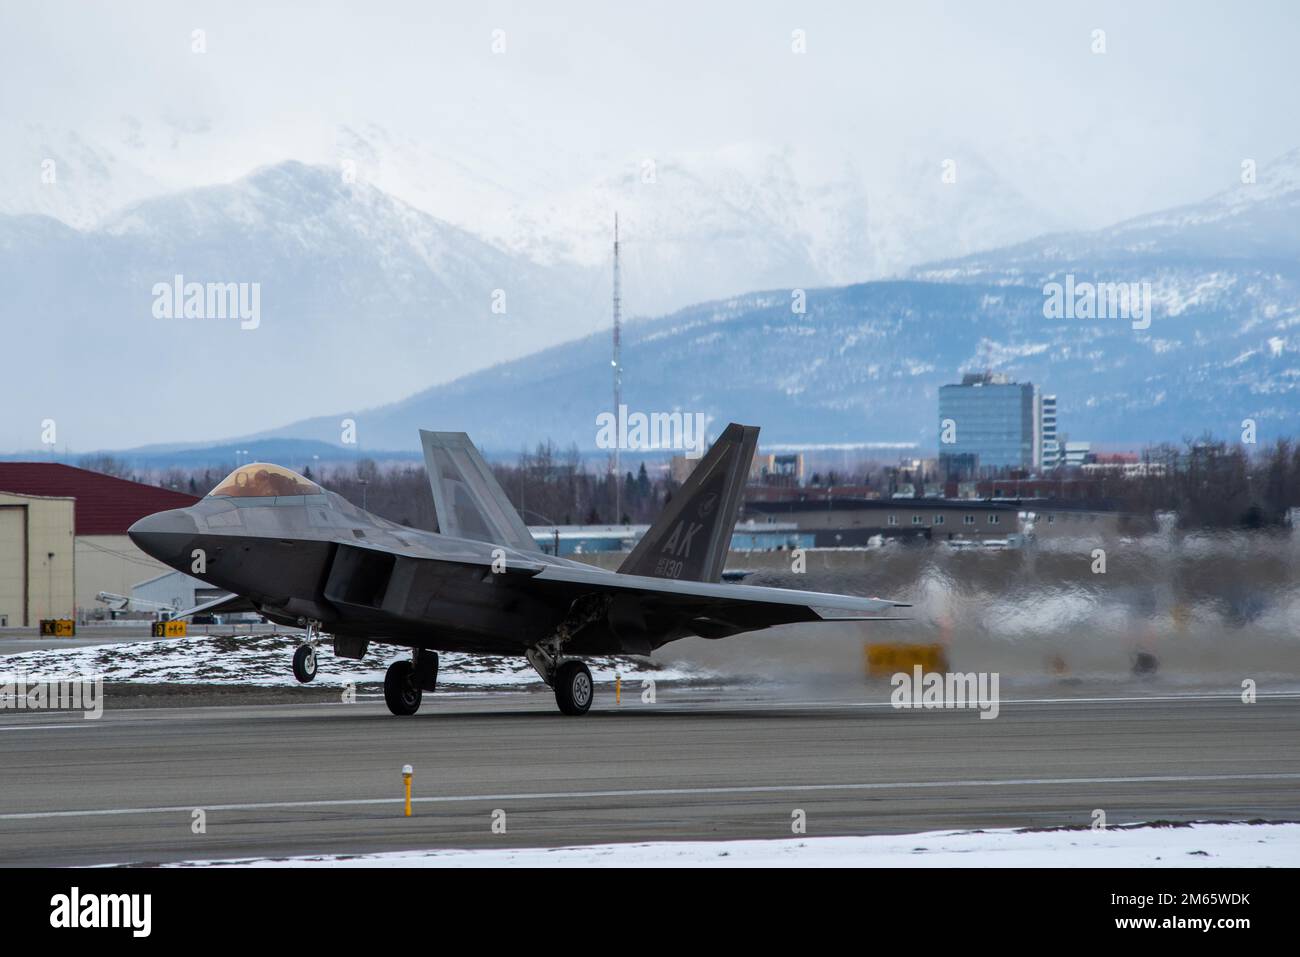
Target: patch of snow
x,y
266,661
1183,845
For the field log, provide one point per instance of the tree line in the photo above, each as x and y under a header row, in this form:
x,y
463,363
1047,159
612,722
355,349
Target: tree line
x,y
1207,483
546,485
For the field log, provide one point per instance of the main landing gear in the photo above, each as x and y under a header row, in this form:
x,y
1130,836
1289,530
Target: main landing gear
x,y
304,659
569,678
406,681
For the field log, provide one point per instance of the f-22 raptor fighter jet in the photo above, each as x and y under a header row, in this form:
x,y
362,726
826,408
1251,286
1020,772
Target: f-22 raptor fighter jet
x,y
305,557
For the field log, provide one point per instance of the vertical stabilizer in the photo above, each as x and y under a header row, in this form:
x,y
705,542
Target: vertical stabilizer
x,y
467,499
690,540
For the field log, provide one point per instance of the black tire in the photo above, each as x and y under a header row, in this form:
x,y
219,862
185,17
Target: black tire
x,y
573,688
304,663
400,693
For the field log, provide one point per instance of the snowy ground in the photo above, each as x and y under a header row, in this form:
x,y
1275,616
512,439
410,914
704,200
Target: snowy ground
x,y
1195,845
265,661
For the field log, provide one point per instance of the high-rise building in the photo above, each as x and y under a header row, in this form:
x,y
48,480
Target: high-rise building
x,y
991,422
1051,444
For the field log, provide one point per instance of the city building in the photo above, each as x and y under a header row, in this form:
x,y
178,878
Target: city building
x,y
990,422
1076,454
776,493
959,466
1127,464
850,523
777,469
752,536
575,541
1051,454
586,539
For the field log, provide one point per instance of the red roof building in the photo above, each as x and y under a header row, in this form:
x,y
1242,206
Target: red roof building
x,y
104,505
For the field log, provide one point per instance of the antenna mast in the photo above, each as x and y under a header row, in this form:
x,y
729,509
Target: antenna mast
x,y
616,362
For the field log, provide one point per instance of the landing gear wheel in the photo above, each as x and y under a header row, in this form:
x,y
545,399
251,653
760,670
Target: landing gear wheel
x,y
573,687
304,663
400,693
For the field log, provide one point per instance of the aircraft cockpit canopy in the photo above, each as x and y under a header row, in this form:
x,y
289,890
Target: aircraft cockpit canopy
x,y
263,480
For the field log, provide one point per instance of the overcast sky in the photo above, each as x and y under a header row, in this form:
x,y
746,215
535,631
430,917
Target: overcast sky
x,y
1182,94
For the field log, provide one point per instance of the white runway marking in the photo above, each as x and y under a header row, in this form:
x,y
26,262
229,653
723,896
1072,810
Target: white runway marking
x,y
142,716
41,727
655,792
1132,699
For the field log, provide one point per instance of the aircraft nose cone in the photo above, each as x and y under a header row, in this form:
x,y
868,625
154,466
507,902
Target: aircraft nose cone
x,y
164,535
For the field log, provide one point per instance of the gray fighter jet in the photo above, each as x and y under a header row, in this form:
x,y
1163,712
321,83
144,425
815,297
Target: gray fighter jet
x,y
305,557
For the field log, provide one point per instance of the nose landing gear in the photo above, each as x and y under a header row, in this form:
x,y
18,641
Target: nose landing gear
x,y
304,659
304,663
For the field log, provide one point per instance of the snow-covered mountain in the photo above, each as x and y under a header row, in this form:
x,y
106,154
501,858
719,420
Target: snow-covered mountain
x,y
71,178
366,299
865,362
699,225
1256,223
379,267
696,226
363,299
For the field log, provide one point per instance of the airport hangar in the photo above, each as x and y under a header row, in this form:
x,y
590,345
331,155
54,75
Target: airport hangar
x,y
63,539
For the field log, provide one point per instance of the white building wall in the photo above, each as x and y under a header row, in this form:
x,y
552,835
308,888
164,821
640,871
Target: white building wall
x,y
110,563
176,589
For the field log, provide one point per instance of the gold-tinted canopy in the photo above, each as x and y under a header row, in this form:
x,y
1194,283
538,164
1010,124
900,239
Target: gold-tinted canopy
x,y
263,480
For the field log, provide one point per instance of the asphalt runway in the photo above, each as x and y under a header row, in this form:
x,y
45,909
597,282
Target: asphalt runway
x,y
325,778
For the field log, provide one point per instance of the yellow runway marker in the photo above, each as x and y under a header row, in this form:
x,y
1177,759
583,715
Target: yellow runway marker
x,y
407,771
887,658
618,689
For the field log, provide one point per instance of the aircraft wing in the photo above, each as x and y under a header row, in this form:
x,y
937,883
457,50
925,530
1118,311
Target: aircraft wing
x,y
224,605
709,609
714,609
